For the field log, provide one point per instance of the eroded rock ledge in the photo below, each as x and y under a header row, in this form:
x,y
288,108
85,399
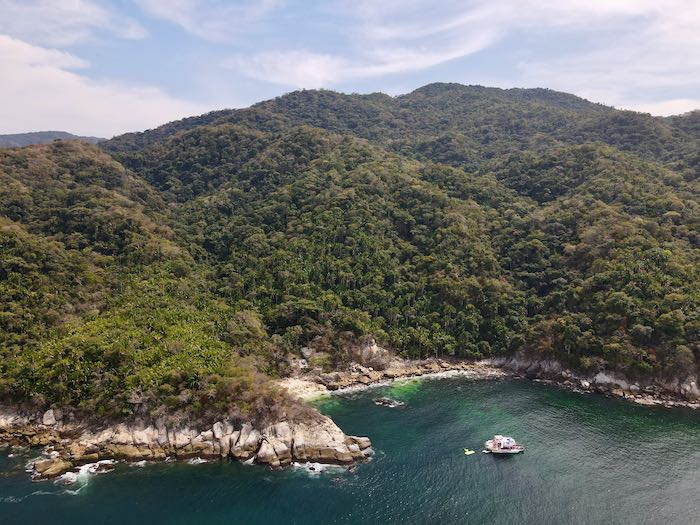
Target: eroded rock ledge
x,y
670,391
70,444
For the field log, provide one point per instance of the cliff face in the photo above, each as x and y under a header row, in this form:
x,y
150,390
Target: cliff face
x,y
649,390
70,444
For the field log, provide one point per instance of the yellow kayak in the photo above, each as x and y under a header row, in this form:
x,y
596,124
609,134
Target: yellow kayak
x,y
468,452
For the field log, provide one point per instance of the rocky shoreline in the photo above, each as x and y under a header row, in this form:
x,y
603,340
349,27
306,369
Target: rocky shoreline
x,y
315,438
672,393
650,391
68,445
311,385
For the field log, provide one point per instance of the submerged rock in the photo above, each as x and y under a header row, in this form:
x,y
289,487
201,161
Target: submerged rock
x,y
388,402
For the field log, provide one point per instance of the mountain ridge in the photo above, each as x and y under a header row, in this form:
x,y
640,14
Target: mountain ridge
x,y
19,140
192,261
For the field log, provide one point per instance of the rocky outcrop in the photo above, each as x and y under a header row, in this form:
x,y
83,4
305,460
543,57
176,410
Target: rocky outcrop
x,y
51,467
319,441
316,438
51,417
647,391
368,353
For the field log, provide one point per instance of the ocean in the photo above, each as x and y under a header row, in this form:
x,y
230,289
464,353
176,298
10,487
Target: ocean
x,y
588,460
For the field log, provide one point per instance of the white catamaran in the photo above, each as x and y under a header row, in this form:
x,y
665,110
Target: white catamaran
x,y
503,445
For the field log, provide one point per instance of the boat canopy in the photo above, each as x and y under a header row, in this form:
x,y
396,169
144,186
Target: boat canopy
x,y
507,442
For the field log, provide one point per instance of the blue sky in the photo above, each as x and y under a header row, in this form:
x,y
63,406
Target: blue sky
x,y
103,67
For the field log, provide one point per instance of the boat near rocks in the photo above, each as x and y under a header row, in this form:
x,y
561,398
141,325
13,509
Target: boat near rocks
x,y
503,445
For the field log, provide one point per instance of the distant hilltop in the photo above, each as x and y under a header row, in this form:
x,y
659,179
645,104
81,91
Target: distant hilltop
x,y
18,140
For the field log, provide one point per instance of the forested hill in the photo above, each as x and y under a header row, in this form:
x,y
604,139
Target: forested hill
x,y
466,126
177,268
40,137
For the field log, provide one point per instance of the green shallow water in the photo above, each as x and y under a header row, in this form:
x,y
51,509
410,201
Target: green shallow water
x,y
589,459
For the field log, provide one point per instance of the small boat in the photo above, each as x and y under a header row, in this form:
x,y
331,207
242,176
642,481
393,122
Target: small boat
x,y
468,452
503,445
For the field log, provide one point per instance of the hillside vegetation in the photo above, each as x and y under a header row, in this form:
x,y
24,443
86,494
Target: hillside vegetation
x,y
176,269
17,140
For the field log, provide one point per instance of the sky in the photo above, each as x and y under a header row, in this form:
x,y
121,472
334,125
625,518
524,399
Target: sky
x,y
104,67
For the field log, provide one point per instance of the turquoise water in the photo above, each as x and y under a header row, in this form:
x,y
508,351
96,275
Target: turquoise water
x,y
589,459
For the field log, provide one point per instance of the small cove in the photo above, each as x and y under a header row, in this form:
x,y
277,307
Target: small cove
x,y
589,459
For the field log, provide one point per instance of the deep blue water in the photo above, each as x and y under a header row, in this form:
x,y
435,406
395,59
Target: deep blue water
x,y
589,459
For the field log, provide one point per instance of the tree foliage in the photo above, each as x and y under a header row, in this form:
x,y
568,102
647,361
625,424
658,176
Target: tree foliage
x,y
168,270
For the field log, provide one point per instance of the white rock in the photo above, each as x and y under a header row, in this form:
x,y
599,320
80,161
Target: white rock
x,y
218,430
266,454
252,441
601,378
49,418
144,437
690,389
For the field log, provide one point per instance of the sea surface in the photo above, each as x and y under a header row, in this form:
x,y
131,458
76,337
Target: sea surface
x,y
588,459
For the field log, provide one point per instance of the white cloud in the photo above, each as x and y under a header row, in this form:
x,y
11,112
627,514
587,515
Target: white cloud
x,y
63,22
641,67
400,36
634,50
637,54
298,68
307,69
374,48
215,20
676,106
41,91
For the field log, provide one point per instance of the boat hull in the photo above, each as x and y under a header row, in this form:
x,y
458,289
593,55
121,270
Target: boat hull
x,y
494,447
